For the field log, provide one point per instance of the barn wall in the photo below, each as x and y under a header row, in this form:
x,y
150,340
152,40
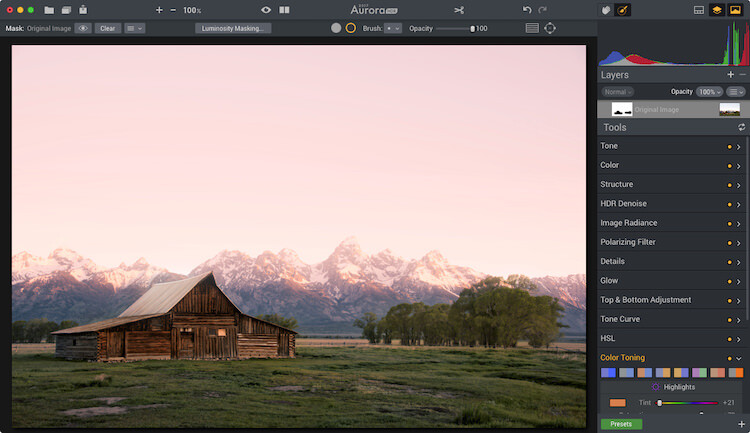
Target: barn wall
x,y
77,346
206,346
186,320
205,298
101,346
148,344
131,340
257,338
257,345
249,325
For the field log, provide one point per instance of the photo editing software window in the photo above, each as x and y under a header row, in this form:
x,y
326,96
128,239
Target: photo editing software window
x,y
521,215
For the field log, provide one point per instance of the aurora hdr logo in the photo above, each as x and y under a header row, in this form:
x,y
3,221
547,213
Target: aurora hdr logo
x,y
365,9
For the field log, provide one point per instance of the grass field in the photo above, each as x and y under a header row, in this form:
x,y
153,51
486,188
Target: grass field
x,y
345,386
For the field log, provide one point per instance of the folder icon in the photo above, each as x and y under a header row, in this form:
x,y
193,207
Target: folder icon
x,y
49,10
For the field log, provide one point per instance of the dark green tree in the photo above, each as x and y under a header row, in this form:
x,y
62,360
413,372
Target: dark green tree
x,y
18,331
65,324
523,282
499,312
286,322
38,330
544,327
385,330
400,323
435,329
369,325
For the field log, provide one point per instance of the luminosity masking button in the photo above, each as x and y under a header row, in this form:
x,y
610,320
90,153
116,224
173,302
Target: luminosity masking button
x,y
622,424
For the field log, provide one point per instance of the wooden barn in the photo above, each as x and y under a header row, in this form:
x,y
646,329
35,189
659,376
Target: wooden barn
x,y
186,319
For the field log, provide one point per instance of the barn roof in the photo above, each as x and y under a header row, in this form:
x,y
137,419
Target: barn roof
x,y
104,324
160,298
157,301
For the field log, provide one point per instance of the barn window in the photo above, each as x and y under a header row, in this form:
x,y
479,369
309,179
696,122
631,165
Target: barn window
x,y
156,324
212,333
186,329
221,332
74,342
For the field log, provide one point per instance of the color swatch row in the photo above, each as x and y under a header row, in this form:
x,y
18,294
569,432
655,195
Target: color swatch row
x,y
677,373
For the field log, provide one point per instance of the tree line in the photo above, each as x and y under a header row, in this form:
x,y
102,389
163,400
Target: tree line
x,y
495,312
37,330
286,322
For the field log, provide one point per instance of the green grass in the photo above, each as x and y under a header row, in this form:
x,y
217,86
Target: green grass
x,y
331,387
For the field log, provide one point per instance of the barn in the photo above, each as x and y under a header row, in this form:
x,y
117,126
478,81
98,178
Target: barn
x,y
185,319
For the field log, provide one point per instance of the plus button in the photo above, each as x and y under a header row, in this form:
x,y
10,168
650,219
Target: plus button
x,y
159,10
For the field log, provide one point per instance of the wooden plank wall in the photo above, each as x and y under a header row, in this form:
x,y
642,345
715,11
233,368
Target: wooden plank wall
x,y
86,346
205,298
187,345
184,320
148,344
134,346
257,346
249,325
283,344
102,346
207,346
115,344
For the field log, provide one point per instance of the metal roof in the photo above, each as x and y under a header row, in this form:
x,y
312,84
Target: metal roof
x,y
157,301
160,298
108,323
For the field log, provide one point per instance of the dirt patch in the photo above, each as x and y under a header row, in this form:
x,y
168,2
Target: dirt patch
x,y
212,394
287,388
147,406
86,412
109,400
376,386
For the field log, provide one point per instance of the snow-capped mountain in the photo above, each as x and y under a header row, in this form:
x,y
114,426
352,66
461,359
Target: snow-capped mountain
x,y
28,268
345,273
25,266
571,294
570,290
339,289
68,286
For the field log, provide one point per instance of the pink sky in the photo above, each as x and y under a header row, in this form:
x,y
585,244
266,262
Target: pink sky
x,y
174,153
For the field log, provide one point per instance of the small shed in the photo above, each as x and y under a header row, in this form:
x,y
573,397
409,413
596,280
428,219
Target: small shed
x,y
185,319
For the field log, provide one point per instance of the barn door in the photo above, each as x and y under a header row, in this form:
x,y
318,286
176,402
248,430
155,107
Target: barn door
x,y
116,344
187,344
283,345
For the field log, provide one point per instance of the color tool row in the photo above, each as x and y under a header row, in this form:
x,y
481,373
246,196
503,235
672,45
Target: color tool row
x,y
678,373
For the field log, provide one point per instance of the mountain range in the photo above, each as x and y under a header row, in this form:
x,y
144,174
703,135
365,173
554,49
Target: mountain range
x,y
324,298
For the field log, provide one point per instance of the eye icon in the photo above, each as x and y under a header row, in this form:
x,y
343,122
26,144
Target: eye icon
x,y
265,9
